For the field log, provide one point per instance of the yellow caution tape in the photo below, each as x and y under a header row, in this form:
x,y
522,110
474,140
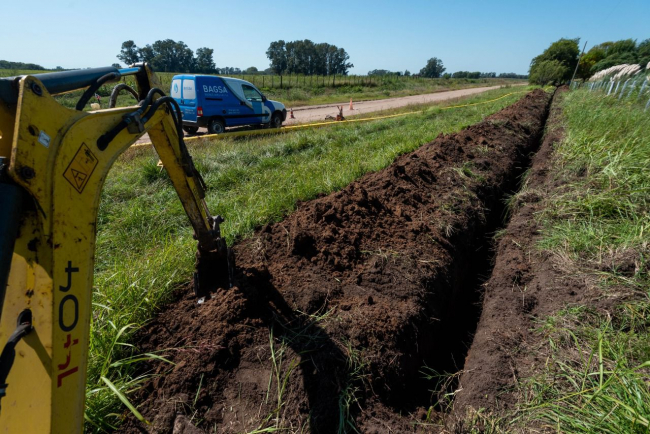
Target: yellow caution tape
x,y
291,128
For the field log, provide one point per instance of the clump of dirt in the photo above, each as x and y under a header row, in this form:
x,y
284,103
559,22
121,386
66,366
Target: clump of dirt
x,y
339,309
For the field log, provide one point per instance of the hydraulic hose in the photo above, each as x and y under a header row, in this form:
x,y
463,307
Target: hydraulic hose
x,y
11,204
93,88
107,138
8,354
175,109
116,91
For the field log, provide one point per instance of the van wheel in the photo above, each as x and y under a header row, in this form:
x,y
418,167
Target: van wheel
x,y
191,130
216,126
276,121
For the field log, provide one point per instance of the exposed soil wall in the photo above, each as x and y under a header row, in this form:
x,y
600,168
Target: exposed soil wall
x,y
525,284
358,291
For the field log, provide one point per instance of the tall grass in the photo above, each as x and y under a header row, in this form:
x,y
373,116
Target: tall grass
x,y
144,243
597,367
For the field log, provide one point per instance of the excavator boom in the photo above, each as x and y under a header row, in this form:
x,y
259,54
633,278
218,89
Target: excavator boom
x,y
53,164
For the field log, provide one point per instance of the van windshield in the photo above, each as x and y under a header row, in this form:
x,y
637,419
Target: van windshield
x,y
251,94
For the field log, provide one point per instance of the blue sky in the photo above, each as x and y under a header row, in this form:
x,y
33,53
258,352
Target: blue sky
x,y
499,36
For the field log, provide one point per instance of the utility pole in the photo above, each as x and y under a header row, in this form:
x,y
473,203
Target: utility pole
x,y
577,64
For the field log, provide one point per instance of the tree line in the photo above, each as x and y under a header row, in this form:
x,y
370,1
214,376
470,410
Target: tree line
x,y
169,56
558,62
436,69
308,58
5,64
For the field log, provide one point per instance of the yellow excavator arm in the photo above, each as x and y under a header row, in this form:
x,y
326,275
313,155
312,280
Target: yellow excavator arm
x,y
53,164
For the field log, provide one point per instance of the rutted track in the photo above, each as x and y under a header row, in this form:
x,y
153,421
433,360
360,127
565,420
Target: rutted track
x,y
358,291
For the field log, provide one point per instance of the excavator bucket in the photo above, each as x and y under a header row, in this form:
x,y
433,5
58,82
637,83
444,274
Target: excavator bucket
x,y
214,268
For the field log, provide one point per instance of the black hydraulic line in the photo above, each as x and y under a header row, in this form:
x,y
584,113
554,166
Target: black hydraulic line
x,y
116,91
190,170
106,138
66,81
9,352
146,102
11,202
94,87
173,105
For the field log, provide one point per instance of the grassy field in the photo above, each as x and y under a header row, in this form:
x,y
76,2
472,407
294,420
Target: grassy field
x,y
145,246
597,224
309,90
597,376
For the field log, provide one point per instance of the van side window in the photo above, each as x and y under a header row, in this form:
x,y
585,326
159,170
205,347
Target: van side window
x,y
188,89
251,94
176,89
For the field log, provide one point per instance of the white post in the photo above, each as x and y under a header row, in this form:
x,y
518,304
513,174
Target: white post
x,y
632,86
610,88
623,88
645,82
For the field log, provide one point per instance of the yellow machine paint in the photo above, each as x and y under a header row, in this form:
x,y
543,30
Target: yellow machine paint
x,y
52,153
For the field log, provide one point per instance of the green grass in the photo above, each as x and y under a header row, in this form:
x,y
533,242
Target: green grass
x,y
308,90
597,223
144,243
596,376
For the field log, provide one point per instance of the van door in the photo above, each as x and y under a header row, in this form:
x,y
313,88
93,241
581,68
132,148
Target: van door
x,y
258,114
188,100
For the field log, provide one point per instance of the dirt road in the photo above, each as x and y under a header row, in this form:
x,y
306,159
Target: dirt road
x,y
319,112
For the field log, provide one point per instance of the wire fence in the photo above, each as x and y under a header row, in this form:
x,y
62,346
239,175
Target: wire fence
x,y
289,81
627,88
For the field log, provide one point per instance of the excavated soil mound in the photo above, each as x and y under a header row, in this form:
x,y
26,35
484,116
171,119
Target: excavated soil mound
x,y
337,310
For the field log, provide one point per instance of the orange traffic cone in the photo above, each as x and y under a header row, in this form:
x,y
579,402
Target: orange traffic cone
x,y
291,113
351,108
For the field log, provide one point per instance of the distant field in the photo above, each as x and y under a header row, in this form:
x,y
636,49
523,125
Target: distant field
x,y
300,90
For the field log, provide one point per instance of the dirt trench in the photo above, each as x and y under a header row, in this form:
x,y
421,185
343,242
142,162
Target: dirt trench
x,y
342,310
525,285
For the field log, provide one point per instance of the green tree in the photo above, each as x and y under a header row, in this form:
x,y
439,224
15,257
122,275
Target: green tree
x,y
146,53
564,51
380,72
172,56
204,61
587,62
277,54
342,64
615,59
251,70
129,54
5,64
433,69
549,72
643,50
622,46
